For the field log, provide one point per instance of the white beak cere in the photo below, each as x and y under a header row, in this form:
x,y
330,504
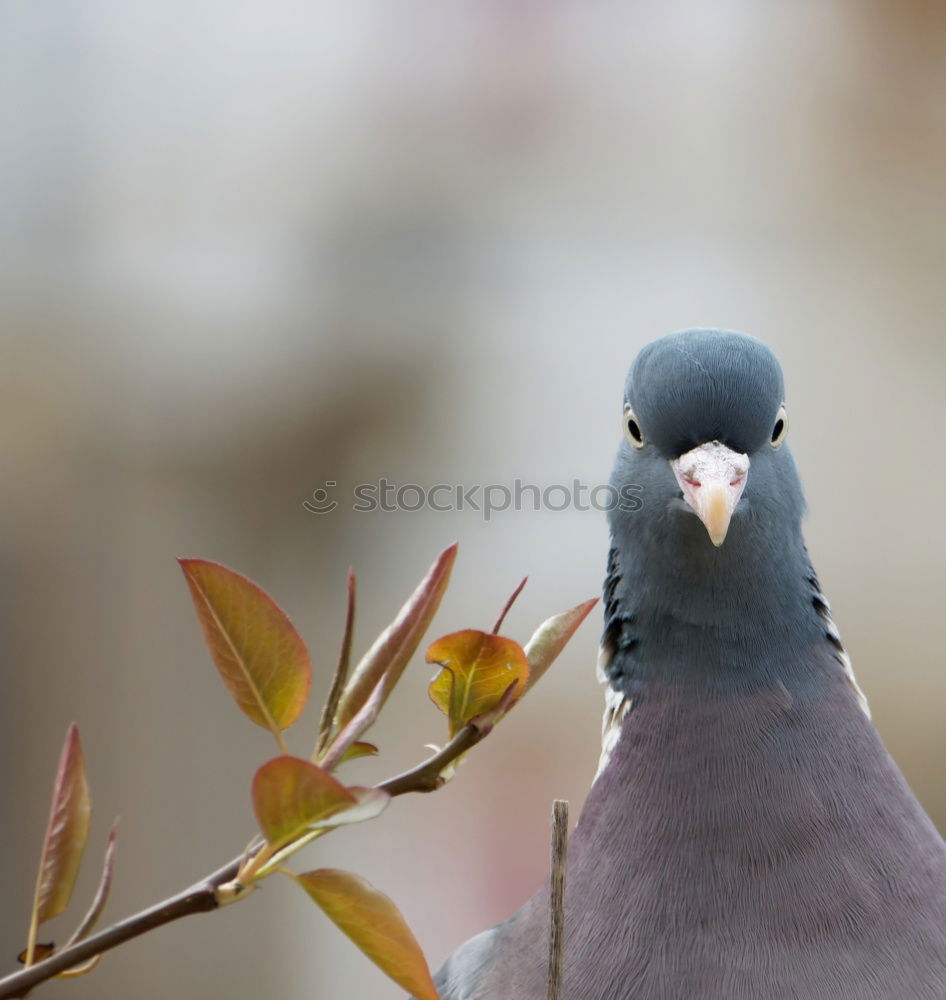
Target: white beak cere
x,y
712,478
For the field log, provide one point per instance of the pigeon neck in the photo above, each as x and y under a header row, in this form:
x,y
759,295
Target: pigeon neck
x,y
745,615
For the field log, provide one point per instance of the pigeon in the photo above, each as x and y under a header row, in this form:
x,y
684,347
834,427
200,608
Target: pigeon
x,y
747,835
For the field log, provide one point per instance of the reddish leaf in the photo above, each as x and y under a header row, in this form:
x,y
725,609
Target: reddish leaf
x,y
509,603
374,924
390,652
261,657
335,754
551,637
290,795
478,669
381,667
66,833
366,804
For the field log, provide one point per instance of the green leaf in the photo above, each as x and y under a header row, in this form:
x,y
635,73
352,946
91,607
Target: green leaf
x,y
329,710
381,667
357,750
80,970
369,802
374,924
261,657
66,835
477,671
102,893
551,637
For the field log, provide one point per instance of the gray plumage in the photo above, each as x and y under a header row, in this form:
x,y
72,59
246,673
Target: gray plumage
x,y
749,837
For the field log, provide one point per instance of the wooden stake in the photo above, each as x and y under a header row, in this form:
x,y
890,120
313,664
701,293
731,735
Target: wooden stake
x,y
557,897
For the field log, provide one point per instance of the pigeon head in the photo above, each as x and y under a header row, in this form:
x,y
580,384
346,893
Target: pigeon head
x,y
704,425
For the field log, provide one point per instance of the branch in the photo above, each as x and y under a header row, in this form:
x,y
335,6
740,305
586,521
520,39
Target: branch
x,y
203,896
428,777
199,898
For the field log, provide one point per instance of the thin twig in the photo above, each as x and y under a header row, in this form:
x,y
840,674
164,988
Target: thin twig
x,y
341,672
199,898
202,896
557,897
508,605
428,777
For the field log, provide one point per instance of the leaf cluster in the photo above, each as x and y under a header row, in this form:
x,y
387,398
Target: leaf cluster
x,y
265,665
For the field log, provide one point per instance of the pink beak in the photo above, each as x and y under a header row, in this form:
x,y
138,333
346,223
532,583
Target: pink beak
x,y
712,478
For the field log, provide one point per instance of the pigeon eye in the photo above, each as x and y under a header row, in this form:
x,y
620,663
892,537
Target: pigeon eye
x,y
780,429
632,430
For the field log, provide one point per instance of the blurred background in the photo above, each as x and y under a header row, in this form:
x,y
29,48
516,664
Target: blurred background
x,y
247,249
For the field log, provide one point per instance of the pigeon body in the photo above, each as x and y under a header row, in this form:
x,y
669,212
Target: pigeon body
x,y
748,835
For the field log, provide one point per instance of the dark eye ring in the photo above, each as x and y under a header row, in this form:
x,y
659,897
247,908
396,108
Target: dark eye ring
x,y
632,429
780,429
